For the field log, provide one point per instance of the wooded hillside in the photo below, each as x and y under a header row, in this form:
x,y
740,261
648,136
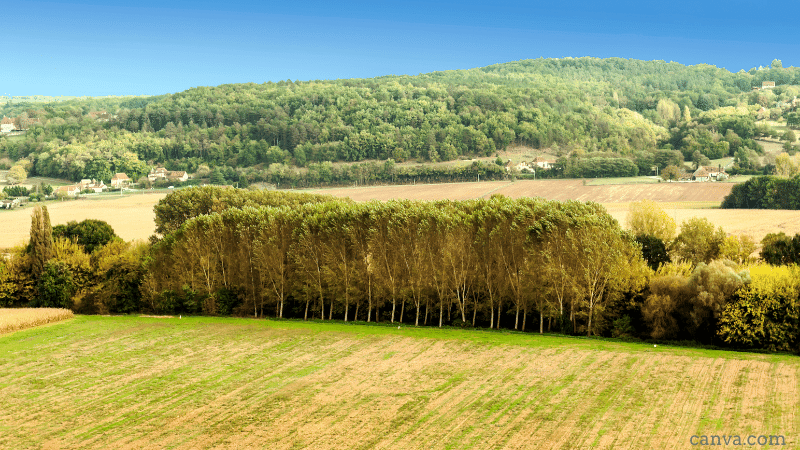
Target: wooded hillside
x,y
644,111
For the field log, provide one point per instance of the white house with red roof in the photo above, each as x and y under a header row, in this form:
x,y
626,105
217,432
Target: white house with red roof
x,y
6,125
119,180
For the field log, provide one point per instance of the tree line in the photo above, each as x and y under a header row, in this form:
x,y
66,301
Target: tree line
x,y
524,264
765,192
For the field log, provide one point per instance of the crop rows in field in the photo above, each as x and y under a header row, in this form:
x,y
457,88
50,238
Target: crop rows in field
x,y
224,383
13,319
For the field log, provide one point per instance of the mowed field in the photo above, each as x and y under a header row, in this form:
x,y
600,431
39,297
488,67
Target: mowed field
x,y
137,382
132,217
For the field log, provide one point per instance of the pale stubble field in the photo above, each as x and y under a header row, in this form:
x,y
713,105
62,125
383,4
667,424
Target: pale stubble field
x,y
132,217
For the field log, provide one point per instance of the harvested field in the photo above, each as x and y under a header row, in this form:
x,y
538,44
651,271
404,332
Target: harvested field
x,y
127,382
132,216
755,223
681,200
13,319
549,189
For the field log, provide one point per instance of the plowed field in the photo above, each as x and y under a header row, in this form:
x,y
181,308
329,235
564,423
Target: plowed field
x,y
126,382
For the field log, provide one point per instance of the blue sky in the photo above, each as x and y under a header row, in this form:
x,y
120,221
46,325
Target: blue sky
x,y
157,47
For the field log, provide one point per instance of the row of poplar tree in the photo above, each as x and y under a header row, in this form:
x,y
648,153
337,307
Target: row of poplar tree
x,y
432,262
488,262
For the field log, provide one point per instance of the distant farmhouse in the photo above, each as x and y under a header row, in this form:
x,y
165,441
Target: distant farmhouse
x,y
17,125
709,173
68,191
120,180
10,203
765,85
530,167
92,185
161,173
6,125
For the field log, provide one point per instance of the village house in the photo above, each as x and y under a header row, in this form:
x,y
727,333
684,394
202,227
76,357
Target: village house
x,y
93,185
120,180
68,191
9,203
542,163
709,173
161,173
523,167
6,125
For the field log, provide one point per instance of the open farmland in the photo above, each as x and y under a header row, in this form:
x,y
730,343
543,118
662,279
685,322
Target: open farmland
x,y
681,200
128,382
131,216
13,319
550,189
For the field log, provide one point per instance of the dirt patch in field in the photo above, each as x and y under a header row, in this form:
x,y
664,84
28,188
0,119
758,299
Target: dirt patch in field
x,y
131,217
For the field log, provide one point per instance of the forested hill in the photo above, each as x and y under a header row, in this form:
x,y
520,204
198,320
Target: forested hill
x,y
648,112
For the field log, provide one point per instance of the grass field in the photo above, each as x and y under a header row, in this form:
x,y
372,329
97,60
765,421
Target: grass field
x,y
135,382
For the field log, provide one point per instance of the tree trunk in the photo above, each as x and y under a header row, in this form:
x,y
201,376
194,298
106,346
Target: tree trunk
x,y
491,320
516,318
402,310
369,298
441,313
346,310
524,318
541,324
416,322
474,312
305,317
498,315
394,307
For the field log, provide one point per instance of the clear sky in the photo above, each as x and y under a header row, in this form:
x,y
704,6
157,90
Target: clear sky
x,y
157,47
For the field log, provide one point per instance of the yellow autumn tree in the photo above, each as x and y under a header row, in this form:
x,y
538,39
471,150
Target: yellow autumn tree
x,y
647,218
